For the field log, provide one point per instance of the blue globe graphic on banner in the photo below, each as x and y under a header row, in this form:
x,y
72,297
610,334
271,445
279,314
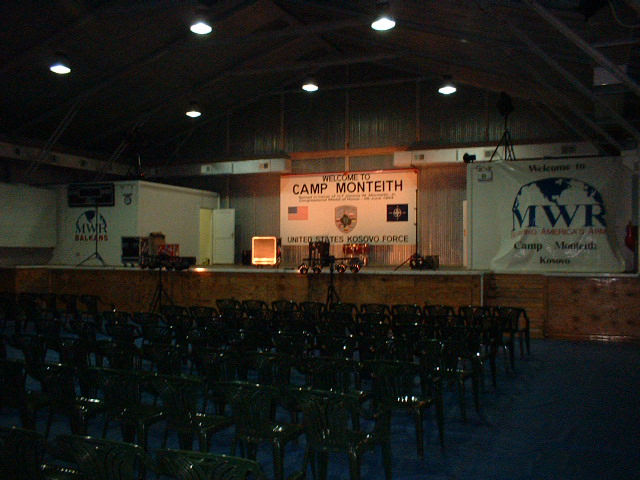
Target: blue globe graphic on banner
x,y
562,202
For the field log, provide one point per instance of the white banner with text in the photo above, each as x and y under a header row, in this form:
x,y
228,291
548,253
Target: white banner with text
x,y
547,215
375,207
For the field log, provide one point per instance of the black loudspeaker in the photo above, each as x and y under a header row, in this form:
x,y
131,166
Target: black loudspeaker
x,y
131,250
91,195
431,262
319,252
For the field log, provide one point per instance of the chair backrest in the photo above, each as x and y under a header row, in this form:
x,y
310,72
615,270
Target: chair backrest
x,y
123,356
13,380
21,454
147,318
337,374
510,317
283,305
406,309
231,312
69,302
375,308
443,315
313,311
393,380
165,358
327,421
59,383
203,315
89,304
267,368
251,407
181,399
343,312
173,310
120,388
189,465
102,459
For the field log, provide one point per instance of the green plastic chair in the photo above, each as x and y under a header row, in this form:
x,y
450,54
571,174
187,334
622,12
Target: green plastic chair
x,y
328,420
188,465
514,321
460,364
22,454
100,459
13,393
58,385
183,408
405,386
122,397
253,411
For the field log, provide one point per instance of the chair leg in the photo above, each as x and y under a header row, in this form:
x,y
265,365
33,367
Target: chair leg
x,y
78,423
492,364
419,417
278,460
28,418
462,395
354,465
164,437
143,435
105,428
234,446
128,433
521,339
475,383
386,459
440,413
323,460
49,421
202,442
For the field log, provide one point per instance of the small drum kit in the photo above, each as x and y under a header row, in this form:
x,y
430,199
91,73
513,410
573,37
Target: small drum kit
x,y
354,257
356,250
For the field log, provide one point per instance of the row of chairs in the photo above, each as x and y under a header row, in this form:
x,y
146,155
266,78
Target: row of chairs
x,y
330,419
503,324
25,455
207,343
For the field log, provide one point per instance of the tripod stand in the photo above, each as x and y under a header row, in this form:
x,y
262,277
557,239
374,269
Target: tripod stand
x,y
505,141
96,253
159,294
332,293
415,260
505,107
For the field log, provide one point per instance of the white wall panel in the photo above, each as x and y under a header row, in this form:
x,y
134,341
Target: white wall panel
x,y
27,217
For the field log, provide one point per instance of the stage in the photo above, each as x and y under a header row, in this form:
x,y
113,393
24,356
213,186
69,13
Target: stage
x,y
570,306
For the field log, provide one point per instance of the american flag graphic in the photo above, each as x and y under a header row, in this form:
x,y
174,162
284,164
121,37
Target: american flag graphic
x,y
298,213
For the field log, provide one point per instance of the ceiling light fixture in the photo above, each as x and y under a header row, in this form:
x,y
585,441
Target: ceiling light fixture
x,y
201,24
384,21
310,85
194,111
60,65
448,87
201,27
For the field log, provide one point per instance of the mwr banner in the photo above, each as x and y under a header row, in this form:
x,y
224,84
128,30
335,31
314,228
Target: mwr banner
x,y
376,207
546,215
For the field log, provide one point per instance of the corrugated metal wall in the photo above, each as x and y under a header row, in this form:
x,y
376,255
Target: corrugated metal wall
x,y
378,116
442,189
392,115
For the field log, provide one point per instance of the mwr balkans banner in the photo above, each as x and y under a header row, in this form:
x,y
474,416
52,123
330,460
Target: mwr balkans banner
x,y
546,215
376,207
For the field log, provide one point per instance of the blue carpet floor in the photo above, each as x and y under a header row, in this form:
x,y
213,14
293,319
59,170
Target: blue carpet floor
x,y
569,411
